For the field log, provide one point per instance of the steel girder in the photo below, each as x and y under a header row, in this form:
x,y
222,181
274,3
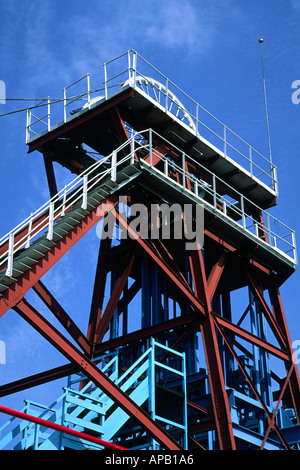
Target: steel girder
x,y
202,318
33,317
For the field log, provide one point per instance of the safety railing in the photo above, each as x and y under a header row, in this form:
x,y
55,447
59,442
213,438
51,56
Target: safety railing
x,y
237,210
78,93
131,69
78,409
71,409
76,192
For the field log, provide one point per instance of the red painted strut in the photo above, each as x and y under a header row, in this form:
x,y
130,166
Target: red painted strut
x,y
60,428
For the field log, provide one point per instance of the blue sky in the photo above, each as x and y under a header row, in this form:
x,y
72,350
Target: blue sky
x,y
209,48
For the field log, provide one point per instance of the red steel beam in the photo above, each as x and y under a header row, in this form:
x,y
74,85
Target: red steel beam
x,y
114,299
99,288
37,379
49,171
253,339
279,334
215,275
173,276
60,428
68,126
62,344
68,369
272,419
294,384
271,422
17,290
219,396
62,316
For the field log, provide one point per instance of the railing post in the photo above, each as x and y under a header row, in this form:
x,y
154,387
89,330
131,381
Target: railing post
x,y
274,179
10,257
28,116
50,226
214,190
129,69
132,150
250,158
294,246
243,212
134,64
36,436
166,167
29,231
48,113
65,104
150,146
167,93
84,195
64,201
183,171
105,80
89,89
197,118
224,208
269,227
225,142
114,166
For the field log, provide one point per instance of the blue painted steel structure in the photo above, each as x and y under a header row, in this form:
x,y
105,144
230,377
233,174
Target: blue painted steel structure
x,y
87,409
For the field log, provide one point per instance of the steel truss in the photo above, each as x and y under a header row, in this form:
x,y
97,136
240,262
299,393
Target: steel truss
x,y
195,279
201,317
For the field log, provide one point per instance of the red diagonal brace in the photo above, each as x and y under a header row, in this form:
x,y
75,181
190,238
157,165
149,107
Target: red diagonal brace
x,y
252,385
281,337
33,317
114,299
219,397
162,265
62,316
17,290
215,275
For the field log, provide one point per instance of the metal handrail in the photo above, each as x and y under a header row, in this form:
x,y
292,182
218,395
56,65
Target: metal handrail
x,y
131,71
78,189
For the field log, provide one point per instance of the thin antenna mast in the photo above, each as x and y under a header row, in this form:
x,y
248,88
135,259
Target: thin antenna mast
x,y
265,95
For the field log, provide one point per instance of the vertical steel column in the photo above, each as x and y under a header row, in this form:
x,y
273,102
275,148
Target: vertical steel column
x,y
294,383
49,171
219,397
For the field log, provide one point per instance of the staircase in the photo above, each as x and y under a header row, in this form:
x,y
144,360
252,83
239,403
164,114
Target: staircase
x,y
24,246
89,410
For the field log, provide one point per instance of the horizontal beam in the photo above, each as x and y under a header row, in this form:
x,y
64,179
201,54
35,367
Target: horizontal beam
x,y
68,126
68,369
99,378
